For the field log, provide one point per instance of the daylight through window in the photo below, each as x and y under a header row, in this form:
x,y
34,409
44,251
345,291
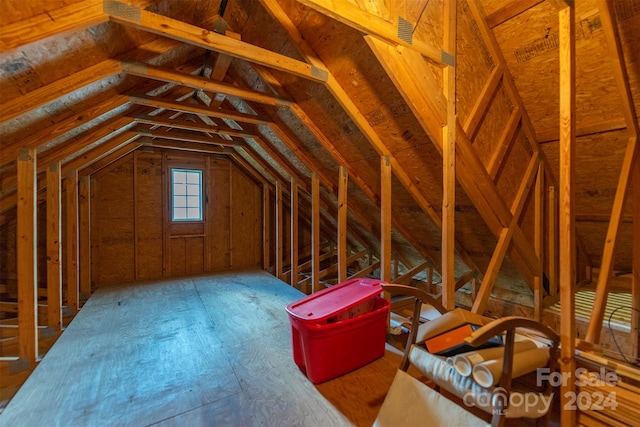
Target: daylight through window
x,y
186,195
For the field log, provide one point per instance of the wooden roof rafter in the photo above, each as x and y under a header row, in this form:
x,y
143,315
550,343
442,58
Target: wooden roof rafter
x,y
631,155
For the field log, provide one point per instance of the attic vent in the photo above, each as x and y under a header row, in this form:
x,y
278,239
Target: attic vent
x,y
448,58
121,10
405,30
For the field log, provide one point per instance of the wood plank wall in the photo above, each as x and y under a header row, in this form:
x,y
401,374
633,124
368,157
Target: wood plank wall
x,y
133,237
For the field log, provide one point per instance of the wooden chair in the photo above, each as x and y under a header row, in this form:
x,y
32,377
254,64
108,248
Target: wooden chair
x,y
411,402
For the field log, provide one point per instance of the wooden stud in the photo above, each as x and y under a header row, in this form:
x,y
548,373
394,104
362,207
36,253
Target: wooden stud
x,y
538,288
266,227
635,252
54,253
70,243
279,230
506,139
315,231
84,236
449,163
385,218
207,193
567,250
293,206
552,239
343,180
481,106
26,254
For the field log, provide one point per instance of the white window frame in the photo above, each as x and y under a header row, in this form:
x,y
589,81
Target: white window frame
x,y
186,196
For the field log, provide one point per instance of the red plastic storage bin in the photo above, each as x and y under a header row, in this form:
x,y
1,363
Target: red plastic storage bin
x,y
339,329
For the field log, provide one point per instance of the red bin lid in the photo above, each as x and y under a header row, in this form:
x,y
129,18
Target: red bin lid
x,y
331,301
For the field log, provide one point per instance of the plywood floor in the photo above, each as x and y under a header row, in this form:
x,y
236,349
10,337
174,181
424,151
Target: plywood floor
x,y
206,350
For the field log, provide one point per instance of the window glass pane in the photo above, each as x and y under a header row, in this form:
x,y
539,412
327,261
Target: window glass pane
x,y
193,178
193,190
179,213
179,177
193,201
193,213
179,189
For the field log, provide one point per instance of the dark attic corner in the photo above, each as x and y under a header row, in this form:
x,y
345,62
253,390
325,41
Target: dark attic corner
x,y
264,212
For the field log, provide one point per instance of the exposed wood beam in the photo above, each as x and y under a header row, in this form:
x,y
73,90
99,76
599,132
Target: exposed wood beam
x,y
71,241
236,155
449,162
293,216
197,82
186,107
266,227
183,123
187,136
506,139
481,106
567,232
343,181
54,253
9,153
505,239
584,129
84,237
76,16
48,93
510,10
366,271
111,158
385,218
619,70
315,231
191,34
538,242
406,278
367,23
279,230
100,151
26,255
635,252
334,87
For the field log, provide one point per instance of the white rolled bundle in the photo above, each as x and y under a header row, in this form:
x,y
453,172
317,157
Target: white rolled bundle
x,y
465,362
488,373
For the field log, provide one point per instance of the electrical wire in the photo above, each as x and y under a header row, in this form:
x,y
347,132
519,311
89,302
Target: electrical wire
x,y
613,336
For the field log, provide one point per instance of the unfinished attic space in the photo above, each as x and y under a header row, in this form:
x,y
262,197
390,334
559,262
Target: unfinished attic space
x,y
319,212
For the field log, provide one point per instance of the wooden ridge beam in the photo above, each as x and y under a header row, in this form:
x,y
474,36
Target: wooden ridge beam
x,y
177,30
196,82
368,23
186,107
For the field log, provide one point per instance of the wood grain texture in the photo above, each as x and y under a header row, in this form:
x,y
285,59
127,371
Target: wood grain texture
x,y
205,350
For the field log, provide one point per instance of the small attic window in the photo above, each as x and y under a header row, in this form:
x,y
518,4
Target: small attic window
x,y
186,195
